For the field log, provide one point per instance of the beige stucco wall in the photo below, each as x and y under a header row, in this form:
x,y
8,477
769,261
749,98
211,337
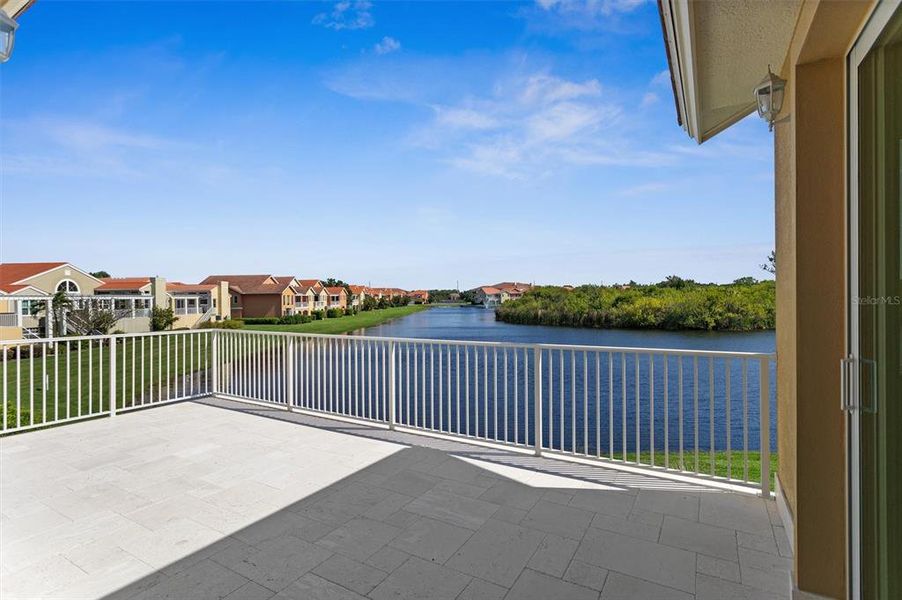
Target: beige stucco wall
x,y
810,174
10,333
784,176
48,281
136,325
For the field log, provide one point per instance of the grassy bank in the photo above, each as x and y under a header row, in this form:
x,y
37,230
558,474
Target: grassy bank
x,y
361,320
721,463
69,379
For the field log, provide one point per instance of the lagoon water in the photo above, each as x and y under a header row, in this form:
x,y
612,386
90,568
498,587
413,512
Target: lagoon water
x,y
595,397
479,324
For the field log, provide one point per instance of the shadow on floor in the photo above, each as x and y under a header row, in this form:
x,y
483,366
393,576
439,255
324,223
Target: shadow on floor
x,y
442,519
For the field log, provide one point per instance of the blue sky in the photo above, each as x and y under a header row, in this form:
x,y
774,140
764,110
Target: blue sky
x,y
410,144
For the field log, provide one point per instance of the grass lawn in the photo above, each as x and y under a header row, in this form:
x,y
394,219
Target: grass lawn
x,y
704,463
361,320
62,384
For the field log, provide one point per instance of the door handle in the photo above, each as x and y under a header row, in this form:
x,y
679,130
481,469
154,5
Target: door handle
x,y
848,395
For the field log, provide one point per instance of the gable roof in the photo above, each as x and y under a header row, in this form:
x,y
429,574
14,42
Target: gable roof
x,y
336,290
309,282
250,284
357,289
12,273
489,290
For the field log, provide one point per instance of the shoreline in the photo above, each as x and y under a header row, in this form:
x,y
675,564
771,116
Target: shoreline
x,y
339,325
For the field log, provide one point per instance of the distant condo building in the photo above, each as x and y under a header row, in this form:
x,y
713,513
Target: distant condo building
x,y
499,293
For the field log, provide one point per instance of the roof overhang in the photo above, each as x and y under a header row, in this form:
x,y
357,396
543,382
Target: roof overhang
x,y
718,52
14,8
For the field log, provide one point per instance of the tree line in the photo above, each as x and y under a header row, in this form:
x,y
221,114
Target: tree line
x,y
675,303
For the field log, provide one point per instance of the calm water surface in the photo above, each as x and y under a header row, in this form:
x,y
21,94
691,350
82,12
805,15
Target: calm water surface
x,y
608,395
479,324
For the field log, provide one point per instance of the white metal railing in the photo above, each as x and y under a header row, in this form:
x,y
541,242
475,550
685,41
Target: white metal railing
x,y
50,381
710,414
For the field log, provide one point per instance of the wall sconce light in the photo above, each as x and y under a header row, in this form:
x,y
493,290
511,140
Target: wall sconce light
x,y
769,97
7,36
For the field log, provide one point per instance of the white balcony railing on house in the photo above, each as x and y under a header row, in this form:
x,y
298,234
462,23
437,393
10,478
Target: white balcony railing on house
x,y
708,414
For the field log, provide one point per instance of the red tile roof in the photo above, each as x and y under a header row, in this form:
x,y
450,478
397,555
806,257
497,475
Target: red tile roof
x,y
179,287
309,282
249,284
121,284
357,289
336,290
12,273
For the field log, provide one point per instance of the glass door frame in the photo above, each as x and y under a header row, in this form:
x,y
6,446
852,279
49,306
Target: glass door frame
x,y
851,402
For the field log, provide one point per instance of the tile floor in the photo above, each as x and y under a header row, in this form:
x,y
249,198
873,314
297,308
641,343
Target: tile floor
x,y
216,499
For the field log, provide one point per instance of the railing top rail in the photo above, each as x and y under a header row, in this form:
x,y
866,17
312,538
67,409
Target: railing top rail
x,y
426,341
85,338
524,345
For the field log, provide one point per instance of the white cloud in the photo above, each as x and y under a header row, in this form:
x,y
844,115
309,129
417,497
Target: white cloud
x,y
649,99
546,88
660,79
347,14
387,46
590,8
464,118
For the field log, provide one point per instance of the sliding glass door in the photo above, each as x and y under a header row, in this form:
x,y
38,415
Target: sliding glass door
x,y
874,373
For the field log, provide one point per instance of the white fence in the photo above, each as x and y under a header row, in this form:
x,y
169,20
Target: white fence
x,y
710,414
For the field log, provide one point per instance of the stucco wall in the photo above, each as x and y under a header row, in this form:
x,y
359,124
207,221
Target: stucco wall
x,y
786,305
10,333
261,305
48,281
136,325
820,325
810,174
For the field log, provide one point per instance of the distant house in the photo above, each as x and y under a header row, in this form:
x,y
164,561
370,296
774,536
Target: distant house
x,y
386,292
259,295
419,296
493,295
490,296
337,297
513,289
358,294
192,304
26,289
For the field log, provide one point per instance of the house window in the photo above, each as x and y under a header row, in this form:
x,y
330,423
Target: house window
x,y
334,298
68,286
26,307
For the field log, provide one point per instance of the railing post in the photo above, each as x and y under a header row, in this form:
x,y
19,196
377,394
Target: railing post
x,y
764,425
112,376
214,357
289,375
391,385
537,382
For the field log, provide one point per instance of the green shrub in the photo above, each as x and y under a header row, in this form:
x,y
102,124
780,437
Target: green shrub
x,y
294,319
227,324
318,315
333,313
261,321
675,303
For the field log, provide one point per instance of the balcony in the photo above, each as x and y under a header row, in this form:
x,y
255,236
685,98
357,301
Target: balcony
x,y
274,465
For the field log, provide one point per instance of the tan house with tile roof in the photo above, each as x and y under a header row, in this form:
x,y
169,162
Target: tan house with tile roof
x,y
259,295
26,286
